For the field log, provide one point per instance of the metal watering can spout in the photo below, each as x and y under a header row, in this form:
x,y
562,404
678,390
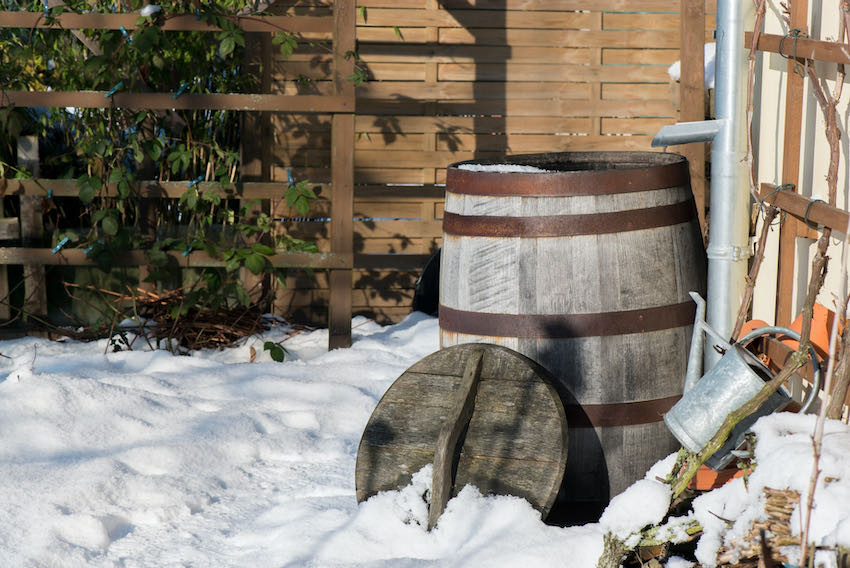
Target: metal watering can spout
x,y
732,382
697,351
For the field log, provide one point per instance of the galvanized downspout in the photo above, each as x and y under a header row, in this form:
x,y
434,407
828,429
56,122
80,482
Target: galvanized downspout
x,y
728,228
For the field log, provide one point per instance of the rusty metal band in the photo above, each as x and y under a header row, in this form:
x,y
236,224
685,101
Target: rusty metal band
x,y
580,182
618,414
566,326
568,225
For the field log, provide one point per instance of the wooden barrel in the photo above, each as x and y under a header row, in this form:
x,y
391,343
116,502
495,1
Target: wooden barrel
x,y
582,262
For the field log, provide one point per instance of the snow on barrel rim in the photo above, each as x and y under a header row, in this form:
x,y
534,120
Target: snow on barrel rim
x,y
569,173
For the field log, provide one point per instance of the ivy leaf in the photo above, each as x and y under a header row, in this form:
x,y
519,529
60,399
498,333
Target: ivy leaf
x,y
123,189
397,32
157,257
256,263
302,205
260,248
87,188
362,11
233,264
110,225
276,351
228,44
242,296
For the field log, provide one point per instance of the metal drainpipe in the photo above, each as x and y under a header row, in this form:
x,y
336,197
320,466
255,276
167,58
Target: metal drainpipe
x,y
728,229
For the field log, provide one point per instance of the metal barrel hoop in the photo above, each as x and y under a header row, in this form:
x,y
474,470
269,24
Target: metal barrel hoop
x,y
779,330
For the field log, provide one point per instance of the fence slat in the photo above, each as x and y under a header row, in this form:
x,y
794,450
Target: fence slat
x,y
197,259
315,27
160,101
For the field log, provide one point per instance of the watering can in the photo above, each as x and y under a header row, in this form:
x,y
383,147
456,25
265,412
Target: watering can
x,y
732,382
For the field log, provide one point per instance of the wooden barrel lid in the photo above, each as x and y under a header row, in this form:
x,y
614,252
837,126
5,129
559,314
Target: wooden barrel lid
x,y
513,443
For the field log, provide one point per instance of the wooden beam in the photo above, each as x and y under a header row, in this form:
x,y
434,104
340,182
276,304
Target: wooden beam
x,y
692,96
197,259
794,92
153,189
803,48
32,232
814,211
213,101
342,177
456,422
307,25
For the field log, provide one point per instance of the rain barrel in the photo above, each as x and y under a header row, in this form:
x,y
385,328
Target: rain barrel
x,y
583,262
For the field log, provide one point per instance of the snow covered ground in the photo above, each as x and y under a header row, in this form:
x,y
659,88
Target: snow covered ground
x,y
140,458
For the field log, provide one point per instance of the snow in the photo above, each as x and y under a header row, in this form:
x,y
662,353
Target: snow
x,y
503,168
675,70
146,459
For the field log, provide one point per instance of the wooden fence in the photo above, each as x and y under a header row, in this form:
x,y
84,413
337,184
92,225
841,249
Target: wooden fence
x,y
454,80
335,27
450,80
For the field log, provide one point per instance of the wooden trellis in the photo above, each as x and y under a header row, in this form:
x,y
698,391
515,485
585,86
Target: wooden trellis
x,y
339,102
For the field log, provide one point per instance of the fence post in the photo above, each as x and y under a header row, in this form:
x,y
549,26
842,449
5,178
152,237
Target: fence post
x,y
32,231
342,179
692,96
256,154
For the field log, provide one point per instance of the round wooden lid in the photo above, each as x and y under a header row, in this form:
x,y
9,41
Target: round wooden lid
x,y
513,443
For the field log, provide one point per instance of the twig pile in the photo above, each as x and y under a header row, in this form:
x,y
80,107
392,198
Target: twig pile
x,y
779,505
197,328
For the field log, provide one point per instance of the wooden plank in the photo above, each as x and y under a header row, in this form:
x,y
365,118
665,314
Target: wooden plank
x,y
447,125
467,90
805,209
805,48
555,38
517,108
428,53
197,259
640,56
568,5
446,446
548,73
154,101
792,136
478,18
314,27
642,22
692,98
638,126
151,189
342,181
32,233
631,91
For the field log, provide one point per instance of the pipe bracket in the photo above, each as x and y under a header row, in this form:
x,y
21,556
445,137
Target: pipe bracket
x,y
731,252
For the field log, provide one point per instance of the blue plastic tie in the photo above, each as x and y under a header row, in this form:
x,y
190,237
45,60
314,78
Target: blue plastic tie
x,y
187,251
183,86
46,10
88,249
49,194
197,14
289,177
114,89
59,245
195,181
126,35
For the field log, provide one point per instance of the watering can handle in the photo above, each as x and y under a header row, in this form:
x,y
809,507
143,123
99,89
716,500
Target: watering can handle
x,y
777,330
